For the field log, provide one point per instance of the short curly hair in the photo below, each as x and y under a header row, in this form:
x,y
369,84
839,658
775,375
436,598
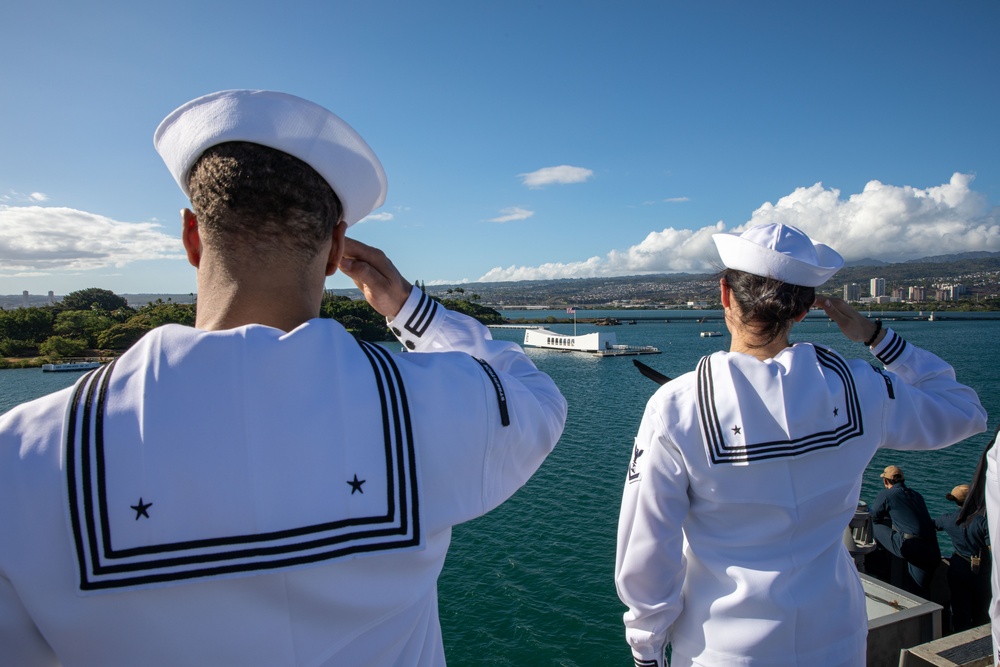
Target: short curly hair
x,y
249,198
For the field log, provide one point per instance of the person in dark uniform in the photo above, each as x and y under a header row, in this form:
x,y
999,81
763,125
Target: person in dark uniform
x,y
969,565
904,528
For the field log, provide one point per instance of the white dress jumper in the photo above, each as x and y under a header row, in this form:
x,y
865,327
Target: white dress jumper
x,y
256,497
744,475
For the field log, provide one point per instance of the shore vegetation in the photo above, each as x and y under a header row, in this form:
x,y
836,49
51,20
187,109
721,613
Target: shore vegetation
x,y
96,324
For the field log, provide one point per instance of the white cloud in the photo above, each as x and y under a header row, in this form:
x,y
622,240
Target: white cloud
x,y
15,196
457,281
667,251
586,269
560,175
384,216
35,239
891,223
676,200
513,213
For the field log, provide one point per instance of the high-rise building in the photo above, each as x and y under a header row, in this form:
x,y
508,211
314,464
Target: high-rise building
x,y
878,287
24,299
852,292
917,293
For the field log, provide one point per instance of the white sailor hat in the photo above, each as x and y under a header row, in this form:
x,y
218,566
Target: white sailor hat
x,y
284,122
781,252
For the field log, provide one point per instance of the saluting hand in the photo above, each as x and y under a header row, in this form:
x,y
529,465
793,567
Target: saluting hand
x,y
376,276
853,324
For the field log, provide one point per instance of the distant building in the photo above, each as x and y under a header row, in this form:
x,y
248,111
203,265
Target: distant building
x,y
52,298
917,293
949,292
852,292
878,287
24,299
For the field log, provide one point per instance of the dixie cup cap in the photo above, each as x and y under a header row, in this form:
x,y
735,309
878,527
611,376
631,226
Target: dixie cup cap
x,y
287,123
781,252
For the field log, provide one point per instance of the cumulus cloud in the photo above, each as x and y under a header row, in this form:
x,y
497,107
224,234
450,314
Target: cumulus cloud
x,y
886,222
39,240
560,175
668,251
384,216
513,213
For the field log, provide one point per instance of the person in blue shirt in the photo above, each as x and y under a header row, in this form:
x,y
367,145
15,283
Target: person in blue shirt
x,y
969,565
904,528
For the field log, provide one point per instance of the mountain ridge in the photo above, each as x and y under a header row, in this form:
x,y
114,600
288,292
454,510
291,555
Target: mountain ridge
x,y
979,271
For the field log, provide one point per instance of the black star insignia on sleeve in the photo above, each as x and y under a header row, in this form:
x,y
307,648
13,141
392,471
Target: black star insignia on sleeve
x,y
140,509
836,411
736,430
356,484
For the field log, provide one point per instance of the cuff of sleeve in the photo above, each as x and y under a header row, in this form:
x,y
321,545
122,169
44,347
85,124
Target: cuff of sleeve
x,y
412,324
639,661
891,347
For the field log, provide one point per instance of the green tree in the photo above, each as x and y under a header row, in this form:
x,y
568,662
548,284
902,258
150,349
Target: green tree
x,y
27,324
358,317
157,314
61,346
93,298
82,324
10,347
120,336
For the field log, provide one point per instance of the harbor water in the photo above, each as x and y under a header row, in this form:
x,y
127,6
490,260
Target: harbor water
x,y
531,583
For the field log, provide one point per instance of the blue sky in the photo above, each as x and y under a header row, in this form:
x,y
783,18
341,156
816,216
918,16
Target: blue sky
x,y
541,139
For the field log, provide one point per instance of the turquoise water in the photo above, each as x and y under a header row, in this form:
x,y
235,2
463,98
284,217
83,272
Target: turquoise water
x,y
531,583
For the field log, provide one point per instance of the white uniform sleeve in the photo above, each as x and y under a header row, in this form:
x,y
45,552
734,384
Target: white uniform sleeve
x,y
530,410
21,644
928,408
993,522
650,566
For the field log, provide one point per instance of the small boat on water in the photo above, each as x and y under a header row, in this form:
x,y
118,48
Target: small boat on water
x,y
599,343
710,334
63,368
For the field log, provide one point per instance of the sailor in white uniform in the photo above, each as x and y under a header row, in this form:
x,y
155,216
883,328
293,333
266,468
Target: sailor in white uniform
x,y
263,488
746,471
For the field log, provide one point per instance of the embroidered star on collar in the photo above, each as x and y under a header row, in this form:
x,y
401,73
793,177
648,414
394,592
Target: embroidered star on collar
x,y
140,509
356,484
